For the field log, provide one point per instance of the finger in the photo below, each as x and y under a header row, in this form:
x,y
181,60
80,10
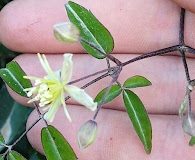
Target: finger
x,y
116,136
165,72
135,27
187,4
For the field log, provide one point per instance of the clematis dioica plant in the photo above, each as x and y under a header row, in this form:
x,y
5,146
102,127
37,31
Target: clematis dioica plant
x,y
50,91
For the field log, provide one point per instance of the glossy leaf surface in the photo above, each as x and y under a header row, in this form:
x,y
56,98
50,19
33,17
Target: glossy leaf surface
x,y
55,146
13,76
115,90
13,155
139,118
136,81
91,30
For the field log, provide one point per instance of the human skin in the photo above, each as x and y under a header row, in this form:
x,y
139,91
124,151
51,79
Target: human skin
x,y
137,27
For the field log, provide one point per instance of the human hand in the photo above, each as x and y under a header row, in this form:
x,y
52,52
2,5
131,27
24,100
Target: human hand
x,y
26,26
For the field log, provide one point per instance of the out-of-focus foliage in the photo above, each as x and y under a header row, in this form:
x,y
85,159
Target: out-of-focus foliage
x,y
6,56
13,117
3,3
7,108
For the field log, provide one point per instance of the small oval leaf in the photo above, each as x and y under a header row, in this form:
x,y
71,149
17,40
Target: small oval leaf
x,y
192,141
139,118
136,81
55,146
13,76
115,90
13,155
91,30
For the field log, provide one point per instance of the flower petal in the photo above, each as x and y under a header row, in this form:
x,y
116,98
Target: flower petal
x,y
80,96
64,106
53,108
67,68
67,114
46,66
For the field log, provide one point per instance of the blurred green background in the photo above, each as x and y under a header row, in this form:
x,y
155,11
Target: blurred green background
x,y
13,116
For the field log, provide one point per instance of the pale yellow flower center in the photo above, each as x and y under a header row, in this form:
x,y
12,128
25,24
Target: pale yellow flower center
x,y
47,90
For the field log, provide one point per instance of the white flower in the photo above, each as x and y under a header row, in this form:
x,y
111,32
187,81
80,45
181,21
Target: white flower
x,y
51,90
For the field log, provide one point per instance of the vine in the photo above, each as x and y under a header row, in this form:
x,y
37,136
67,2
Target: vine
x,y
81,30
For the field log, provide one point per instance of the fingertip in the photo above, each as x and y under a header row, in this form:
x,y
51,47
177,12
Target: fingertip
x,y
187,4
26,24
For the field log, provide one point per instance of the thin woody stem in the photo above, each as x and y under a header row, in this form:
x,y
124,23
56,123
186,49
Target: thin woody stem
x,y
183,56
110,57
91,75
21,136
152,54
181,27
39,113
114,79
91,82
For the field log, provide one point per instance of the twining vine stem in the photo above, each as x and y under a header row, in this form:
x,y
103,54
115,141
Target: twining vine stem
x,y
9,147
115,71
183,56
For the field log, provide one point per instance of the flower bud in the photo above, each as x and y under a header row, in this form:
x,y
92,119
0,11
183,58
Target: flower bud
x,y
87,134
189,124
66,32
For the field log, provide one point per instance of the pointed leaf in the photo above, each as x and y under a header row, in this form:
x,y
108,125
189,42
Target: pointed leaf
x,y
55,146
1,139
139,118
13,76
91,30
192,141
115,90
136,81
13,155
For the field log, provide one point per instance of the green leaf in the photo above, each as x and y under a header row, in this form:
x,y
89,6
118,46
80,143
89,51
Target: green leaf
x,y
55,146
91,30
115,90
13,155
192,141
2,139
136,81
139,118
13,76
1,157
